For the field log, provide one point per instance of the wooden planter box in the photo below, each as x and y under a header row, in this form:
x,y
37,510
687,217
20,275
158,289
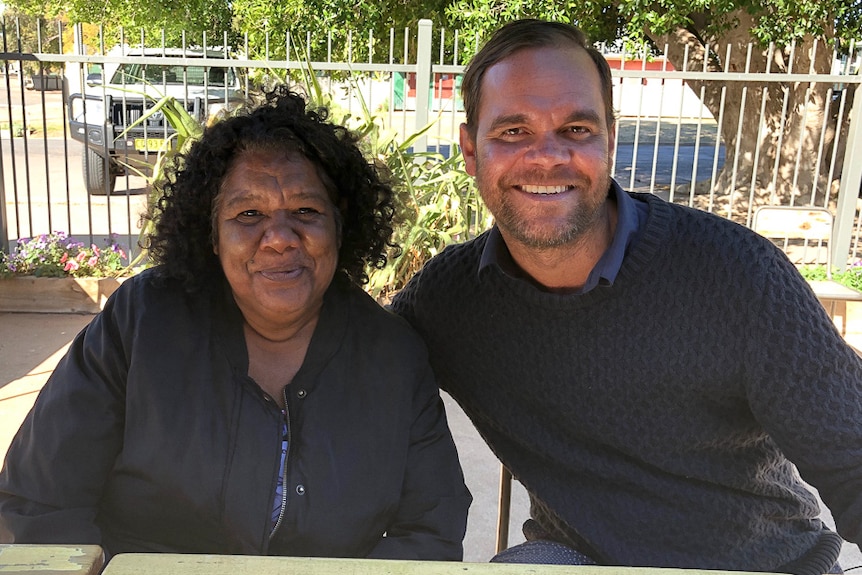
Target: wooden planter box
x,y
56,295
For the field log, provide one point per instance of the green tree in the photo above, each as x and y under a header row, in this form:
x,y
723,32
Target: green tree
x,y
154,21
312,22
788,35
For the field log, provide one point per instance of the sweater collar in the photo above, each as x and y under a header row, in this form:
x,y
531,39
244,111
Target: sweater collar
x,y
654,232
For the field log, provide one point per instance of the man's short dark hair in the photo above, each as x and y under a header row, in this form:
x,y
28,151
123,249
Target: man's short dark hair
x,y
520,35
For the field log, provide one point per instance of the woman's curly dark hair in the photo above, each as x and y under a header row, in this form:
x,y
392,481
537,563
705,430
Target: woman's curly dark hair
x,y
182,242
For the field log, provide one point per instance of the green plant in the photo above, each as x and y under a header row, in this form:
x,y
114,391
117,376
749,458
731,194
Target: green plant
x,y
58,255
187,131
851,277
436,200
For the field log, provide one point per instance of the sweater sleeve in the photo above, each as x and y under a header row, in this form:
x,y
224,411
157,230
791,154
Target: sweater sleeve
x,y
432,515
61,457
806,390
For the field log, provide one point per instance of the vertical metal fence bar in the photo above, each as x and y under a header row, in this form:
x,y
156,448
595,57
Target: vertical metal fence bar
x,y
678,134
720,124
821,143
803,132
406,81
851,183
761,127
657,137
423,82
739,124
635,144
13,163
780,135
4,218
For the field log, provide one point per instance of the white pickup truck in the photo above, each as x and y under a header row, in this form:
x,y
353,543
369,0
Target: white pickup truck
x,y
102,117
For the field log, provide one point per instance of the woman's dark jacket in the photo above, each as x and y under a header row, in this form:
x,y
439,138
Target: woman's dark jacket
x,y
150,436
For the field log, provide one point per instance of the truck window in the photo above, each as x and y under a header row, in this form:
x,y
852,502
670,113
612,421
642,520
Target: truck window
x,y
161,74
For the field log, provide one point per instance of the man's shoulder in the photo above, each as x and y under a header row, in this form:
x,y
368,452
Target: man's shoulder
x,y
441,277
454,261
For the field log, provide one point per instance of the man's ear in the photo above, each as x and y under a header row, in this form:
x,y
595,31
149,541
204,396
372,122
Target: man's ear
x,y
468,149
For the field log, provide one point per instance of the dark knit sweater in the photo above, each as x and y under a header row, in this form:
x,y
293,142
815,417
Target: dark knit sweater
x,y
658,417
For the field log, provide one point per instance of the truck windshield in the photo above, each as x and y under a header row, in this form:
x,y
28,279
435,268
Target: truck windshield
x,y
170,74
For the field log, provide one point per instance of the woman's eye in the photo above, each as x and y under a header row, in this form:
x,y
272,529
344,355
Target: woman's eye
x,y
248,216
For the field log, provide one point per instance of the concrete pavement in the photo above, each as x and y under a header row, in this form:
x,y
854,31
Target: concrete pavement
x,y
31,345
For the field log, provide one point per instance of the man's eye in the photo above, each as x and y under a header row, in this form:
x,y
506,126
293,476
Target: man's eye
x,y
512,131
307,211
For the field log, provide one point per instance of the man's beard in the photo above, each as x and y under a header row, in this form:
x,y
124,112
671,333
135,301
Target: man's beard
x,y
569,229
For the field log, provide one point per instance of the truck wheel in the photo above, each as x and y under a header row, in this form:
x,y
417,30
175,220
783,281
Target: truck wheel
x,y
99,175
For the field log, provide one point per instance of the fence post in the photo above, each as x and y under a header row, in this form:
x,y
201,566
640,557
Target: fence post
x,y
423,82
4,226
851,183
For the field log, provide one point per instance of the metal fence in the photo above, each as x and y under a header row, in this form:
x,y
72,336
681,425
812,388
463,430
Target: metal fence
x,y
667,143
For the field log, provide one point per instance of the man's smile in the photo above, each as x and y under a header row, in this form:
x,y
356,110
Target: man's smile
x,y
544,190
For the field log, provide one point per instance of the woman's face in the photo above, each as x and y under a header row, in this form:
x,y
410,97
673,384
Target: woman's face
x,y
277,237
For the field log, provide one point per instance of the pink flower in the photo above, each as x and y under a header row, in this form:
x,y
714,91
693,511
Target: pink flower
x,y
81,256
71,266
93,261
64,258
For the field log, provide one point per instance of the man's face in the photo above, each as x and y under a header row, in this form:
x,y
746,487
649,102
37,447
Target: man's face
x,y
541,152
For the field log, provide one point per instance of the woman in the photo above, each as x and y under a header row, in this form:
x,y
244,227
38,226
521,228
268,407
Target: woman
x,y
246,396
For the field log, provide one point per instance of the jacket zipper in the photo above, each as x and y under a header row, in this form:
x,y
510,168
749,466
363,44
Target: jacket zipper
x,y
286,415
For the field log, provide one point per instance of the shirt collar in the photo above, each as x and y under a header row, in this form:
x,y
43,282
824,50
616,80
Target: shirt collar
x,y
629,221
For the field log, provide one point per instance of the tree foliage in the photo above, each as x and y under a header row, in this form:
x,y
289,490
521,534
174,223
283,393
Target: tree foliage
x,y
778,21
265,24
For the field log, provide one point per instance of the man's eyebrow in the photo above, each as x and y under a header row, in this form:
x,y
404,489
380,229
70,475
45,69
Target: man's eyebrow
x,y
588,116
507,120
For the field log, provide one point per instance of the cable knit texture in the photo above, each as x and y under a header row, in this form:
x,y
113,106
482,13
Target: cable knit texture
x,y
653,422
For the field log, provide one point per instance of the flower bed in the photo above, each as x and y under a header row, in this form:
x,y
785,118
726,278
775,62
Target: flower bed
x,y
55,295
52,273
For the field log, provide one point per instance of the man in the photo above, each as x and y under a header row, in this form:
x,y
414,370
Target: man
x,y
647,371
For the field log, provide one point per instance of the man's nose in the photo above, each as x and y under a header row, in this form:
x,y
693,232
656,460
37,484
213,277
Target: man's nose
x,y
551,149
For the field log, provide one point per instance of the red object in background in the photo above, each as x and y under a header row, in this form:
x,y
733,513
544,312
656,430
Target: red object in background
x,y
444,84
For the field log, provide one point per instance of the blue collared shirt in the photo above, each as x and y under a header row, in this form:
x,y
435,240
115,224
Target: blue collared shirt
x,y
631,216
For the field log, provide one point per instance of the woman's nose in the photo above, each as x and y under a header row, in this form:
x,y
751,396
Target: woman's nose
x,y
280,233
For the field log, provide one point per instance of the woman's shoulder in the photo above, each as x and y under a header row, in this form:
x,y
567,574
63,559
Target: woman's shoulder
x,y
372,320
148,297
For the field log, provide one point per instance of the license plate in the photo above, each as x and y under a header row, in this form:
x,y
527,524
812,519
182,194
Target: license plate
x,y
151,144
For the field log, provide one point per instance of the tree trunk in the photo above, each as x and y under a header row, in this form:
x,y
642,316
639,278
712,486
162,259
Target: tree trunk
x,y
773,132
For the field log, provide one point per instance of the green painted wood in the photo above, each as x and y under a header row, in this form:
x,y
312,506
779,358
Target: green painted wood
x,y
172,564
50,559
